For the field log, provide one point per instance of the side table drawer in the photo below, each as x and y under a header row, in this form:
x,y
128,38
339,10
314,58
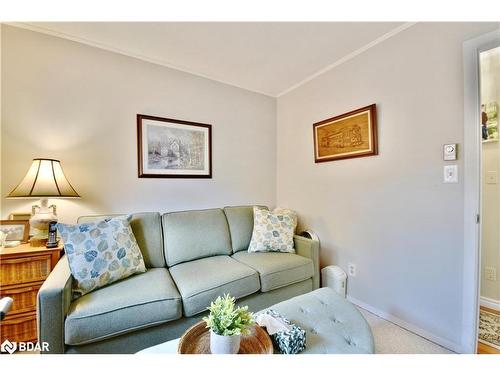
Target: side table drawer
x,y
21,327
24,297
25,269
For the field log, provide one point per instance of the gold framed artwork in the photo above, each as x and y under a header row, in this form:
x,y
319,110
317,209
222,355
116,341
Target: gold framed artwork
x,y
350,135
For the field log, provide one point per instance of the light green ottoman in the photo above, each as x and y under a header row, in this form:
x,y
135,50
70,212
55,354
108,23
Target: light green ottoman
x,y
332,324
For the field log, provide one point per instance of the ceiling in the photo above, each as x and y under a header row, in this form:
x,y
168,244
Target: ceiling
x,y
270,58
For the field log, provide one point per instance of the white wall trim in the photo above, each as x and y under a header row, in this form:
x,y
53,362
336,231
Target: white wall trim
x,y
490,303
88,42
455,347
350,56
43,30
472,188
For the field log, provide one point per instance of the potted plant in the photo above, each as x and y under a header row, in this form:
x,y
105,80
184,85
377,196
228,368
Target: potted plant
x,y
227,323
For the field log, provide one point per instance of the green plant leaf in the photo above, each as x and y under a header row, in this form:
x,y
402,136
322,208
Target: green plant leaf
x,y
228,320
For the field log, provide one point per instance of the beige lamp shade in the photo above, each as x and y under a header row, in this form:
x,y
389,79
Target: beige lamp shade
x,y
45,179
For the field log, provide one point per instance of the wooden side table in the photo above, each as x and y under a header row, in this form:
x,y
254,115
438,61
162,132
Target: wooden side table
x,y
23,270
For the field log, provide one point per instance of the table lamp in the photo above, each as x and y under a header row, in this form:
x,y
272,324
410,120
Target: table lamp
x,y
45,179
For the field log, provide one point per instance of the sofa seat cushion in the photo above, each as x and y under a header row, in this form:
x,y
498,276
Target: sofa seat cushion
x,y
201,281
277,270
139,301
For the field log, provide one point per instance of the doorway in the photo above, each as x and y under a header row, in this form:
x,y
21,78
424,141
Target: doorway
x,y
472,154
489,312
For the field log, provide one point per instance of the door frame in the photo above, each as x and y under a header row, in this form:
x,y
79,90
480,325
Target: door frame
x,y
472,187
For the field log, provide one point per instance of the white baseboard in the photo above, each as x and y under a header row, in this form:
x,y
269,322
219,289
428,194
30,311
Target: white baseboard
x,y
490,303
457,348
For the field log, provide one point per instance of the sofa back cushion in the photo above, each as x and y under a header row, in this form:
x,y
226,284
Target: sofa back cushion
x,y
196,234
240,220
147,231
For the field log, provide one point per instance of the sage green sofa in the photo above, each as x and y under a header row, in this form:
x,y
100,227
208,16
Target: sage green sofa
x,y
191,258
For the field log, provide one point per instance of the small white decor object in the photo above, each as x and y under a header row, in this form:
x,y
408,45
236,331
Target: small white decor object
x,y
11,243
335,278
220,344
227,323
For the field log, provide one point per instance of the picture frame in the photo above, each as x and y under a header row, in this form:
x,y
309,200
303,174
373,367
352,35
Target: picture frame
x,y
24,216
16,230
170,148
349,135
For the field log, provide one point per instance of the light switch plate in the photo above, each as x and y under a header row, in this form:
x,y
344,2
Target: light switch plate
x,y
491,177
450,175
450,152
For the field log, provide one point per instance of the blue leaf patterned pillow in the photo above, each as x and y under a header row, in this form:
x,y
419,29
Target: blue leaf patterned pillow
x,y
273,230
100,253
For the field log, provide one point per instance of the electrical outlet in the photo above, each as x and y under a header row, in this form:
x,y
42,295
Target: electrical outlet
x,y
491,177
490,273
351,269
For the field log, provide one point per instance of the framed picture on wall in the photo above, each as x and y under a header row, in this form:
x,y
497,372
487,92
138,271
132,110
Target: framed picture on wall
x,y
169,148
15,230
25,216
350,135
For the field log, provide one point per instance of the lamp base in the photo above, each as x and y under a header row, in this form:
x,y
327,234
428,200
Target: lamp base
x,y
39,223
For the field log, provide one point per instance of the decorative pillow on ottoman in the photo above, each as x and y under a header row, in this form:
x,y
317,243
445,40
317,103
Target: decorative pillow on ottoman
x,y
100,253
273,230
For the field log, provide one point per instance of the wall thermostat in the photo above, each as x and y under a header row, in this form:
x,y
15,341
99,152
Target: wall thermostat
x,y
450,151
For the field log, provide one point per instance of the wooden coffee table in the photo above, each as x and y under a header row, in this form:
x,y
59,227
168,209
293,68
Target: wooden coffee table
x,y
196,340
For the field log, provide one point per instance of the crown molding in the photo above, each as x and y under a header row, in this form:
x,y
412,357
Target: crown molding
x,y
167,64
350,56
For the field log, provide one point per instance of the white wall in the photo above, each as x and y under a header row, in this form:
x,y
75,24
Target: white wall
x,y
490,237
76,103
389,214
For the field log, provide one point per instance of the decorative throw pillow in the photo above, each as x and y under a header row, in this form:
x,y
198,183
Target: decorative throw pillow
x,y
286,211
273,230
100,253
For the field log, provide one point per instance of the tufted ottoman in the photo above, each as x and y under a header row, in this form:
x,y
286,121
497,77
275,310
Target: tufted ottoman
x,y
332,324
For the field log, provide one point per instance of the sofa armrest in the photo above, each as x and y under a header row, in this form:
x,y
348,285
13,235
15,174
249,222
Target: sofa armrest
x,y
309,249
54,298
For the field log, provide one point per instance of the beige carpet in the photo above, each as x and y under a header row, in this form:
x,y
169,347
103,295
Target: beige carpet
x,y
392,339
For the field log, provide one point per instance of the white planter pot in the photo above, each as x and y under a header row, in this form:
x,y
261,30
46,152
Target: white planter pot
x,y
224,344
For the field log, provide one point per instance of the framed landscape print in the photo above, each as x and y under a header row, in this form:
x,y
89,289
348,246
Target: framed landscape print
x,y
15,230
171,148
351,135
